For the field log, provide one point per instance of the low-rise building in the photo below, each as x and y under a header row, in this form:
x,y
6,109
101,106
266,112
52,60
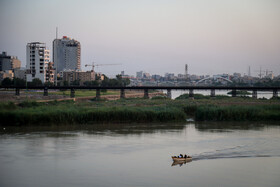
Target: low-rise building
x,y
81,76
6,74
9,62
20,73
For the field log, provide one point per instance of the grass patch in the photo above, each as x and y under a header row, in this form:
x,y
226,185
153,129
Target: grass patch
x,y
140,110
237,113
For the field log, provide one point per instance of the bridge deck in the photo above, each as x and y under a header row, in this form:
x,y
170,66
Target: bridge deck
x,y
259,88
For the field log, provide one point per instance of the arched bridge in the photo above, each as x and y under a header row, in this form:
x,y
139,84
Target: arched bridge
x,y
208,78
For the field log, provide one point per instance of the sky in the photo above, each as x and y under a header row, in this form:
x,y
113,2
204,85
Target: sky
x,y
155,36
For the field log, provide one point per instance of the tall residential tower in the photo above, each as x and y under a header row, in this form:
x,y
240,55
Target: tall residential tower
x,y
66,54
38,62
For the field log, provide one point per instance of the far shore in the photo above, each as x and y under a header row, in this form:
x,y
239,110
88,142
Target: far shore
x,y
6,96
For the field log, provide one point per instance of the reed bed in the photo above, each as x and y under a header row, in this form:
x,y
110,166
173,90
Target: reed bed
x,y
139,110
70,113
238,113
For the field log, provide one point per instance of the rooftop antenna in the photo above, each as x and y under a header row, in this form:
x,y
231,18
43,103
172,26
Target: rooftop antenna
x,y
56,32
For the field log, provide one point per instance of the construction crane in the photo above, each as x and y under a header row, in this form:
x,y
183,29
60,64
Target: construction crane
x,y
264,73
94,65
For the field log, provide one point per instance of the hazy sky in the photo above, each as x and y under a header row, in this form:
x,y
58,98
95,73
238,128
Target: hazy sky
x,y
157,36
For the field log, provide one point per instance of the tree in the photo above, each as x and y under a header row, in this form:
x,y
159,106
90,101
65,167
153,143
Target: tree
x,y
18,82
65,83
7,82
76,83
91,83
35,82
48,84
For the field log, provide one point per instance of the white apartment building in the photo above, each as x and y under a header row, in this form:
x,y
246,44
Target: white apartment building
x,y
66,54
37,61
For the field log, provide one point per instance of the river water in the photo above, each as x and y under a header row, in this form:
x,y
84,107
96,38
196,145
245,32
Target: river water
x,y
119,155
177,93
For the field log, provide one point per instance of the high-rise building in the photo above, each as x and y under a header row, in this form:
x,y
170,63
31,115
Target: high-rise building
x,y
66,54
139,74
186,71
9,62
37,61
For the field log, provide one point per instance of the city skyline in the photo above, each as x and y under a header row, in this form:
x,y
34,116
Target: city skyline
x,y
157,37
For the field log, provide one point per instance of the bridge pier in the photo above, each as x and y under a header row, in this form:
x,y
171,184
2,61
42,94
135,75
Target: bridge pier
x,y
97,94
146,94
275,93
17,91
72,94
46,91
255,94
169,95
212,93
122,96
233,93
191,95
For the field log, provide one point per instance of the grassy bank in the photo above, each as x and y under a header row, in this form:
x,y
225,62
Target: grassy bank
x,y
67,112
237,113
159,109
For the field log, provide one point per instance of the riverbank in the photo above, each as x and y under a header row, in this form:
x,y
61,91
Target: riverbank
x,y
138,110
64,95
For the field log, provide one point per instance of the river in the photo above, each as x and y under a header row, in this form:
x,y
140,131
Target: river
x,y
125,155
177,93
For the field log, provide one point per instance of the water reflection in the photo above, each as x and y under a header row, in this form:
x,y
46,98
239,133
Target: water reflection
x,y
231,126
95,129
180,163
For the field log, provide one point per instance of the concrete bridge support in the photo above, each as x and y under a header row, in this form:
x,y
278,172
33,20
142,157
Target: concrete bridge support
x,y
255,94
122,96
72,94
169,95
212,93
191,95
234,93
17,92
146,94
275,93
97,94
46,91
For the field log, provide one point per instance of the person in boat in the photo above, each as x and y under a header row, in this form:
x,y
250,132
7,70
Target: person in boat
x,y
181,156
185,156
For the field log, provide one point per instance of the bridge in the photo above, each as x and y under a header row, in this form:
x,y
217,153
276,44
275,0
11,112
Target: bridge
x,y
217,77
146,89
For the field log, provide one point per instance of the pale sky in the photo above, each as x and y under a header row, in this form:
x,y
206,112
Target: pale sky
x,y
156,36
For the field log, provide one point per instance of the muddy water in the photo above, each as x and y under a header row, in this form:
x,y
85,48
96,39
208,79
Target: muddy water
x,y
224,154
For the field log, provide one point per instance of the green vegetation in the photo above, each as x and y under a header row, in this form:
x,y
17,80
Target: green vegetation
x,y
84,93
237,113
68,112
158,109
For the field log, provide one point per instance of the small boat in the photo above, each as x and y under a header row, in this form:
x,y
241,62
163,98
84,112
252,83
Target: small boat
x,y
177,159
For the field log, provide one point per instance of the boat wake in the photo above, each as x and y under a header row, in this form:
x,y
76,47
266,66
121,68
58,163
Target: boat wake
x,y
231,152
